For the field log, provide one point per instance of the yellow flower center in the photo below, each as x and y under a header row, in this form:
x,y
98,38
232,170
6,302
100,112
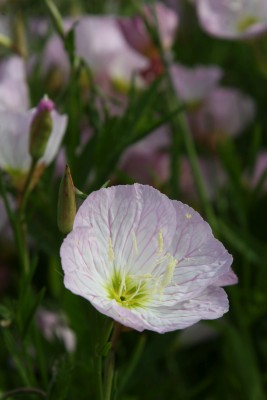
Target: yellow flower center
x,y
246,23
127,290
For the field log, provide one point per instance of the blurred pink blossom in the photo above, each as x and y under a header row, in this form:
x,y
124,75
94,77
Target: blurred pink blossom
x,y
144,260
137,35
54,325
225,111
101,44
144,161
14,142
236,19
14,93
260,168
193,85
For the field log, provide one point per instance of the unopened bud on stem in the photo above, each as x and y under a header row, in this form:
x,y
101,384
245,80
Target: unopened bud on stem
x,y
41,128
66,203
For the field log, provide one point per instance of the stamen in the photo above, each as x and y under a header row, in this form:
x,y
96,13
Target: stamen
x,y
135,243
110,251
167,278
160,242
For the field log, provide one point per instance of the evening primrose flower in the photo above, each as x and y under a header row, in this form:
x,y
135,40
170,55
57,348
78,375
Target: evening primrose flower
x,y
14,93
236,19
146,261
137,35
15,157
193,85
54,325
100,42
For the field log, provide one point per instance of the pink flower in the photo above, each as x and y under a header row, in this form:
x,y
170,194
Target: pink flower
x,y
136,32
146,261
14,93
144,161
101,44
193,85
226,111
14,142
54,325
259,170
239,19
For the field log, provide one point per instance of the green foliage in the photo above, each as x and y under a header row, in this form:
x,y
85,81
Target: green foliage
x,y
231,361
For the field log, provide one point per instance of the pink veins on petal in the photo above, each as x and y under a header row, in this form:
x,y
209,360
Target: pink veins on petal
x,y
146,261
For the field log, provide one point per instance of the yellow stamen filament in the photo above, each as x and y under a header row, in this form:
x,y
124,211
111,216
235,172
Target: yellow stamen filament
x,y
167,278
160,242
110,251
135,243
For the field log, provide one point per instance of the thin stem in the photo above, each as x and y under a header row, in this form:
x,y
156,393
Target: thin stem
x,y
19,34
27,187
98,373
17,231
56,17
136,354
20,367
181,125
21,390
110,362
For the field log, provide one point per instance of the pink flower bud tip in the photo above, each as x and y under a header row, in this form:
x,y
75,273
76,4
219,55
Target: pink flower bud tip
x,y
45,105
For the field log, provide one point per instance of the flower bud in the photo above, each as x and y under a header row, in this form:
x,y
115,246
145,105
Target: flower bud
x,y
41,128
66,203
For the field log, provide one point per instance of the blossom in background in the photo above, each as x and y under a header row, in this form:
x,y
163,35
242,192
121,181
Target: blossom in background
x,y
213,110
137,35
237,19
101,44
14,143
140,39
259,171
226,111
144,161
14,93
54,325
148,165
146,261
193,85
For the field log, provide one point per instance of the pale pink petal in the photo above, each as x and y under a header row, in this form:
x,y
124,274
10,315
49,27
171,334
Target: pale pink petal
x,y
212,303
225,111
132,217
56,137
14,139
14,93
169,263
193,85
136,32
239,19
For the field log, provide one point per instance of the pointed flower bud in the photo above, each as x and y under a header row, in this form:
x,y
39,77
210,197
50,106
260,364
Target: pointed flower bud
x,y
66,203
41,128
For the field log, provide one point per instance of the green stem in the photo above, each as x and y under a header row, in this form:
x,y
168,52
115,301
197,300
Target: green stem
x,y
98,376
11,348
128,371
110,362
19,34
23,390
27,187
56,17
17,232
181,125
